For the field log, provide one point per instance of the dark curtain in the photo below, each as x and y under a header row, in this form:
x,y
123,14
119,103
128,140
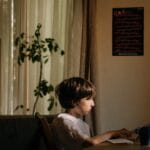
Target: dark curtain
x,y
88,43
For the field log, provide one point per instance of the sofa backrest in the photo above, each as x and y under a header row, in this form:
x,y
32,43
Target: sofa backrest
x,y
22,133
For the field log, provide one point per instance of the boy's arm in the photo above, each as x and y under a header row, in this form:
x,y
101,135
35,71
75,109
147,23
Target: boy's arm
x,y
108,135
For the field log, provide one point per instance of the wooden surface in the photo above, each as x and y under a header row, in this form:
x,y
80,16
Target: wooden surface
x,y
109,146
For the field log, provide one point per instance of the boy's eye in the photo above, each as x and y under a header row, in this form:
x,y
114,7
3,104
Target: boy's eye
x,y
89,98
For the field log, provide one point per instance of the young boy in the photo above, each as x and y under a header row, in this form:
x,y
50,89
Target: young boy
x,y
76,95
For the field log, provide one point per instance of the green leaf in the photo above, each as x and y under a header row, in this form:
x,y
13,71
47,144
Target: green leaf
x,y
49,40
39,25
51,103
17,41
51,88
22,35
46,60
62,52
44,49
50,46
56,47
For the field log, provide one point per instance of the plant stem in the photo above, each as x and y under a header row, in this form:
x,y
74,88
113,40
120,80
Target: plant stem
x,y
40,78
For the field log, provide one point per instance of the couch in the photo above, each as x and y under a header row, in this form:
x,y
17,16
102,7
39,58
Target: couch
x,y
22,133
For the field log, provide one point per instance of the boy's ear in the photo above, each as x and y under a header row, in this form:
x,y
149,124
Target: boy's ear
x,y
74,103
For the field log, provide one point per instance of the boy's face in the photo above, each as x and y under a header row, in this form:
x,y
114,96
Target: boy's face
x,y
85,105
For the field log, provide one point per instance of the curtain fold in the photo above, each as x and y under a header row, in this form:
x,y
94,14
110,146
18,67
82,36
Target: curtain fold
x,y
6,92
73,43
88,44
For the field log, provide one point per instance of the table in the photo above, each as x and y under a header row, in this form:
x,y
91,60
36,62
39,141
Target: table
x,y
109,146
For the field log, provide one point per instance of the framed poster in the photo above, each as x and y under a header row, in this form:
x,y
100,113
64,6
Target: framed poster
x,y
128,31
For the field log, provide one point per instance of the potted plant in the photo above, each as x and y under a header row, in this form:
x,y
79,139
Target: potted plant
x,y
36,51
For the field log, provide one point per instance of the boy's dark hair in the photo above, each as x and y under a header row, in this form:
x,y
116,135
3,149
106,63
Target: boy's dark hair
x,y
71,90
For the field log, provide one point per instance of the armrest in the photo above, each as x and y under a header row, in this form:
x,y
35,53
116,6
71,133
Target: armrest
x,y
47,131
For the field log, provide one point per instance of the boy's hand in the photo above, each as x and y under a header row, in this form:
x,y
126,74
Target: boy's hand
x,y
124,133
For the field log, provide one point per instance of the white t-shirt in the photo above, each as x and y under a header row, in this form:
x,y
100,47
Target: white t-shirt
x,y
70,132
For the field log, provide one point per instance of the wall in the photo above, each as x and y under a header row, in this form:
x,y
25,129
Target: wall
x,y
122,82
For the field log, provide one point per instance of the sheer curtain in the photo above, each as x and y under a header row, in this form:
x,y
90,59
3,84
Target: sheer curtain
x,y
91,41
19,82
6,74
52,15
65,20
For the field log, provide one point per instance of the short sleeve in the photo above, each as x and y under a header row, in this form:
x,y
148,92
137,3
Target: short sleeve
x,y
70,133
